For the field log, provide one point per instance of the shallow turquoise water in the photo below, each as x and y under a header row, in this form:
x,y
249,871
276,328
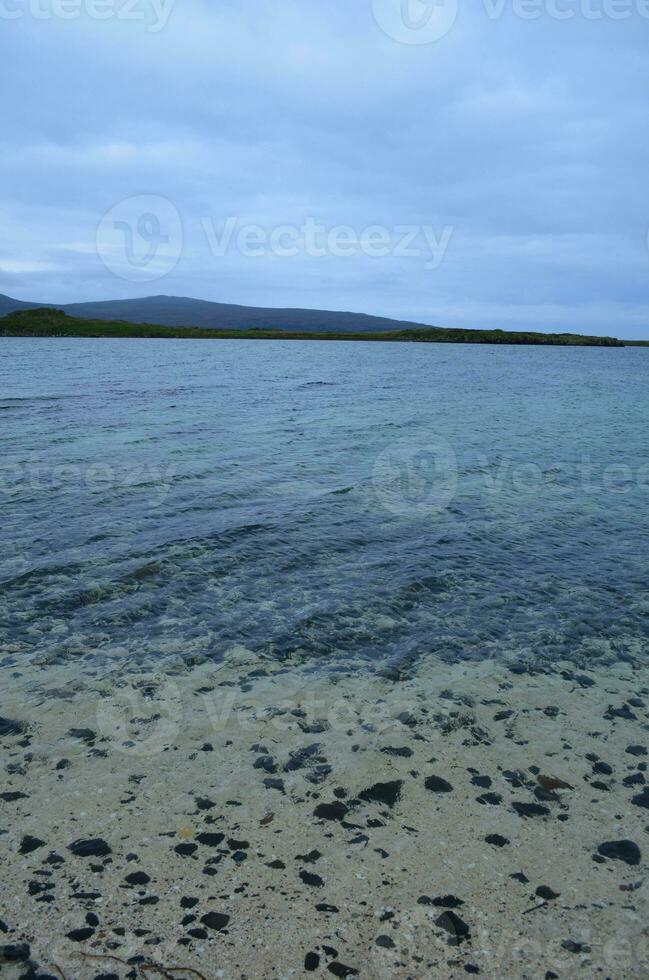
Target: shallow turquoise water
x,y
332,503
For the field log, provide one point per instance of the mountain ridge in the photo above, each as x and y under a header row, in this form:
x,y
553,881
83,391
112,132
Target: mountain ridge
x,y
185,311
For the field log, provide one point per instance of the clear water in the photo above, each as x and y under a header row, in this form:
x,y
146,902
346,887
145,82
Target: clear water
x,y
337,504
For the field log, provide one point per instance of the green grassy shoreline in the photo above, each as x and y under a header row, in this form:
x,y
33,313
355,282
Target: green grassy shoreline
x,y
54,323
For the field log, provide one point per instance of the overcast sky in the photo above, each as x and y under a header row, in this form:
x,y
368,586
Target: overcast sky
x,y
490,169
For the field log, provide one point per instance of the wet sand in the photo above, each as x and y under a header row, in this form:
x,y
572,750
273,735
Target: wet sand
x,y
259,820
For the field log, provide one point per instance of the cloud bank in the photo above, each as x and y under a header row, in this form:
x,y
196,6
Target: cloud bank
x,y
513,132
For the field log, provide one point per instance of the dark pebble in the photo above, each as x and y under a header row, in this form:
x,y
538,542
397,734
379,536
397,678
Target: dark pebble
x,y
526,810
90,848
385,793
315,881
621,850
80,935
457,929
546,893
138,878
448,902
211,840
276,783
215,920
331,811
490,799
204,804
603,769
340,970
15,952
574,947
623,712
437,785
484,782
401,753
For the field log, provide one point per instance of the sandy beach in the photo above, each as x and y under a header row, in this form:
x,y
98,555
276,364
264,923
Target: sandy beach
x,y
263,820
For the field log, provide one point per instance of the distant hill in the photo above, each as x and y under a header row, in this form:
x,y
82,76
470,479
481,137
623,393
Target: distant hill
x,y
177,311
9,305
44,322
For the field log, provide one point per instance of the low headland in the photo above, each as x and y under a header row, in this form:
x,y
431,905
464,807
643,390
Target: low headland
x,y
50,322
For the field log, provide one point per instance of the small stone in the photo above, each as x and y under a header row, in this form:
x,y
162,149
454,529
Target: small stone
x,y
210,840
315,881
484,782
90,848
621,850
401,753
642,799
490,799
457,929
15,952
80,935
386,793
204,804
546,893
331,811
623,712
215,920
574,947
526,810
340,970
437,785
603,769
138,878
